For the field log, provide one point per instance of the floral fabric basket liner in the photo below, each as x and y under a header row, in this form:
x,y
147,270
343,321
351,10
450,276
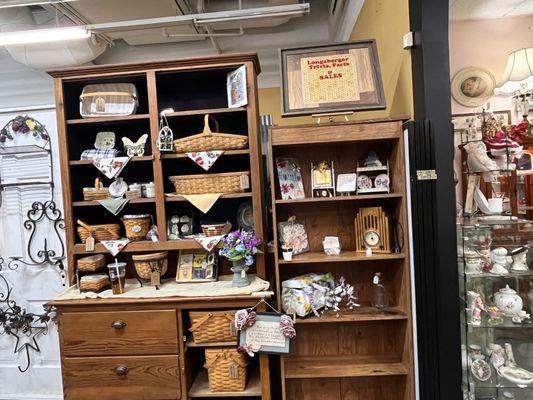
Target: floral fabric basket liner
x,y
108,99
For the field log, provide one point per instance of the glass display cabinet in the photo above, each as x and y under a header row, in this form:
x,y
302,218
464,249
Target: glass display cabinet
x,y
496,287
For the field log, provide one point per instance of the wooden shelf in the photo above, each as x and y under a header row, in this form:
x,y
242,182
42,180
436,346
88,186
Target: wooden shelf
x,y
224,196
205,111
97,120
145,245
95,203
362,314
190,343
341,198
200,387
133,159
345,256
338,367
226,153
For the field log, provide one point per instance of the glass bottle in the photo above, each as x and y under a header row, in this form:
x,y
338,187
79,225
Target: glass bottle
x,y
380,297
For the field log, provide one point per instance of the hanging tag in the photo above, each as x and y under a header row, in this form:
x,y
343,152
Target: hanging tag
x,y
155,278
232,329
244,182
375,281
233,371
243,274
369,251
89,243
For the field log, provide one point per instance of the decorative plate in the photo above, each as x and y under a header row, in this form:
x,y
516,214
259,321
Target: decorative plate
x,y
480,369
382,181
245,216
516,375
364,182
473,86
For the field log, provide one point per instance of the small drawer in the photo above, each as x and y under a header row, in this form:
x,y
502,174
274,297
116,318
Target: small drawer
x,y
119,333
112,378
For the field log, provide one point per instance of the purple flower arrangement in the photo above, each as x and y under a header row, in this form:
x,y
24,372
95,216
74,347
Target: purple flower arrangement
x,y
241,246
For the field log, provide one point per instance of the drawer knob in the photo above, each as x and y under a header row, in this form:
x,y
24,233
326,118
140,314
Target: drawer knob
x,y
121,370
118,324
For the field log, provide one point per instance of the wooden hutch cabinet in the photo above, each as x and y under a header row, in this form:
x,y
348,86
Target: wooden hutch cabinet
x,y
120,348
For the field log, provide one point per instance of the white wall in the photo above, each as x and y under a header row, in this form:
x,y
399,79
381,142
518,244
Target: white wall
x,y
33,286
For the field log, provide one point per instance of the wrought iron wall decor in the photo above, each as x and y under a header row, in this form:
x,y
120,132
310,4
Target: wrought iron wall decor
x,y
40,212
24,326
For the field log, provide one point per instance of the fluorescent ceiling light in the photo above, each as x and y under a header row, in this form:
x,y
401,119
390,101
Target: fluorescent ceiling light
x,y
24,3
44,35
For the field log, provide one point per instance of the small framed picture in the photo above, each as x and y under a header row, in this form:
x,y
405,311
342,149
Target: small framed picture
x,y
346,183
323,179
294,234
290,178
197,266
266,334
236,87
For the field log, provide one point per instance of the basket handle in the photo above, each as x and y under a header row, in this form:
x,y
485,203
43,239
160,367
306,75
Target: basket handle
x,y
207,129
94,94
237,360
98,184
84,225
200,322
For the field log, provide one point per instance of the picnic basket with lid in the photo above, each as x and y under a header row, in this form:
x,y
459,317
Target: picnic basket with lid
x,y
108,99
213,326
208,140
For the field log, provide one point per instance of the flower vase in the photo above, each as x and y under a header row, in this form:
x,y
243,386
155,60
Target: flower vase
x,y
239,269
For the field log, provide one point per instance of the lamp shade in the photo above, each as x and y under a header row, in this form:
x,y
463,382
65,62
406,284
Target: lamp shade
x,y
518,74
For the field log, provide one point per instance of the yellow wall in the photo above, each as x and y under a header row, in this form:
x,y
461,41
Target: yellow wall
x,y
386,21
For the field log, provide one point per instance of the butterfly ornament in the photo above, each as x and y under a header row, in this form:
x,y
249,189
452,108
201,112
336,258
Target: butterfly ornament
x,y
133,149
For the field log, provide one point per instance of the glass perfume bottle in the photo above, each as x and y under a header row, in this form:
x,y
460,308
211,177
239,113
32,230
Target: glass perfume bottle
x,y
380,296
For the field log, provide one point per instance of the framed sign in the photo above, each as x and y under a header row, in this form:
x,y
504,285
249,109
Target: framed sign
x,y
265,335
331,78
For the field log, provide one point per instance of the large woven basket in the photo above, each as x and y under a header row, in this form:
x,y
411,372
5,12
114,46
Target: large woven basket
x,y
98,192
228,182
208,140
145,264
213,326
226,369
216,229
98,232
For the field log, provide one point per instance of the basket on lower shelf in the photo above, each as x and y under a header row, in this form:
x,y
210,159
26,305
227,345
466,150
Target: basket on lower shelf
x,y
213,326
98,232
151,266
228,182
226,369
91,263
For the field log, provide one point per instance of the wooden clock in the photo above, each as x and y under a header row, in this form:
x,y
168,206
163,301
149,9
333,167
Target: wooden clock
x,y
373,231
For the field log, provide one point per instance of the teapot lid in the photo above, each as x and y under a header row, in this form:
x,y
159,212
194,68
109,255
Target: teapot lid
x,y
507,290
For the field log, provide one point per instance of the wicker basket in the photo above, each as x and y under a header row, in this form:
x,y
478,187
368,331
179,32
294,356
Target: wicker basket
x,y
145,264
228,182
226,369
216,229
208,140
98,192
94,283
91,263
98,232
137,226
213,326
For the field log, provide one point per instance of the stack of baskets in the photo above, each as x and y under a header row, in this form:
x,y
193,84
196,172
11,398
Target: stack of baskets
x,y
226,368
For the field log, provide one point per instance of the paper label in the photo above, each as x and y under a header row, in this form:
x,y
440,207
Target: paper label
x,y
266,334
245,182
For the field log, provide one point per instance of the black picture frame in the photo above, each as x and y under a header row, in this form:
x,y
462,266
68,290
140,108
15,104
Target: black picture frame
x,y
377,95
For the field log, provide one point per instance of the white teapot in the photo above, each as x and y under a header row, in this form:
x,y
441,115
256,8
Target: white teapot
x,y
508,301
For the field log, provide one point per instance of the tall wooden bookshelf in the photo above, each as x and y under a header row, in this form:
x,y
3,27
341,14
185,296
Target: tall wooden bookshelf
x,y
139,348
361,354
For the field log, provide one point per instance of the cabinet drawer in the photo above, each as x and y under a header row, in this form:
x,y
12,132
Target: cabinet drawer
x,y
119,333
112,378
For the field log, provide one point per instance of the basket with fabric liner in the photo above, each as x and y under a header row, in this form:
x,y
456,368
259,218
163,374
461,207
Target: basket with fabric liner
x,y
226,369
145,264
227,182
108,99
208,140
98,232
137,226
213,326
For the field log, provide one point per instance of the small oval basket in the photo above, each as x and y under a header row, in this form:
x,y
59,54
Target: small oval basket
x,y
137,226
